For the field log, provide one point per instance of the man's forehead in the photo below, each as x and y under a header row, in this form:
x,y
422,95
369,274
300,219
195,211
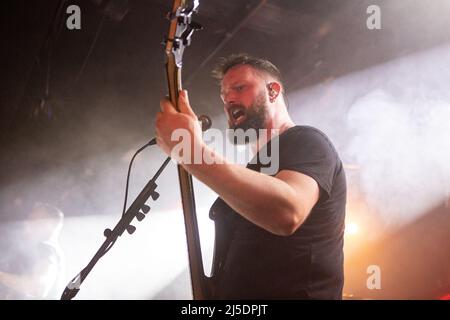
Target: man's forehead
x,y
240,73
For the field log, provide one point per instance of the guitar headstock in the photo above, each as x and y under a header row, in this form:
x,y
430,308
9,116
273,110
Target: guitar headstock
x,y
181,28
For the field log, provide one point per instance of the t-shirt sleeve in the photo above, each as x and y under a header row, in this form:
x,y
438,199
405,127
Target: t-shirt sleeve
x,y
309,151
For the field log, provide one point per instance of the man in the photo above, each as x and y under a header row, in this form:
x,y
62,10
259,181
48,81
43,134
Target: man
x,y
285,231
34,267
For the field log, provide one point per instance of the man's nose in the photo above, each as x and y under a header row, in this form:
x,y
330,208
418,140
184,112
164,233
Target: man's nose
x,y
229,98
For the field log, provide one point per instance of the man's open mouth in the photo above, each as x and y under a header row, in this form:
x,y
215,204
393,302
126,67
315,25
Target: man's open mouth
x,y
237,115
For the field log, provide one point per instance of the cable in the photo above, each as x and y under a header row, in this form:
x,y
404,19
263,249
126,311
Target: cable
x,y
150,143
91,48
53,32
205,122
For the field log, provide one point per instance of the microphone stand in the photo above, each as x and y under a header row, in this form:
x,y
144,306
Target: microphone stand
x,y
134,211
125,222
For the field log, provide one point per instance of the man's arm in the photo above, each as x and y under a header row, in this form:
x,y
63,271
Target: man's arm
x,y
277,204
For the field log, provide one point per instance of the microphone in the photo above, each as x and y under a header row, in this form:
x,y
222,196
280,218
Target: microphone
x,y
204,120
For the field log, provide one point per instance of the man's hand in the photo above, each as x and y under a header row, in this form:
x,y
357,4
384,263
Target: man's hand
x,y
169,120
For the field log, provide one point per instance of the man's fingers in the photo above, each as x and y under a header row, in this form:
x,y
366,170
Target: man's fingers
x,y
183,103
167,106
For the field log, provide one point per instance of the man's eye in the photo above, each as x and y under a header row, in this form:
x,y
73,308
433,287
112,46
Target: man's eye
x,y
239,88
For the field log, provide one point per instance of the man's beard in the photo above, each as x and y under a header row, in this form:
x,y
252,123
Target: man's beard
x,y
256,119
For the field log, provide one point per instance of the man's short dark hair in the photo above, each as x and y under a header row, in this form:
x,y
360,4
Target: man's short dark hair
x,y
264,65
260,64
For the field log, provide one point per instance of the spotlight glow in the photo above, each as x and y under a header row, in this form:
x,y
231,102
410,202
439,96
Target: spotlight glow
x,y
351,229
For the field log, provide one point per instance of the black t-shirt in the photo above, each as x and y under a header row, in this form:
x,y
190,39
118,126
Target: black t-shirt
x,y
307,264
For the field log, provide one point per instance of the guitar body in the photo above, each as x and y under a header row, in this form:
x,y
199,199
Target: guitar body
x,y
223,231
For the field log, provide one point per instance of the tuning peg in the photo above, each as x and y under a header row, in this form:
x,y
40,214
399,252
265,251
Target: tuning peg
x,y
187,42
171,15
140,216
195,25
155,195
131,229
107,232
145,208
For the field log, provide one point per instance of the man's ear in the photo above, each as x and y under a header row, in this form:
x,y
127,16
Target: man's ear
x,y
274,89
